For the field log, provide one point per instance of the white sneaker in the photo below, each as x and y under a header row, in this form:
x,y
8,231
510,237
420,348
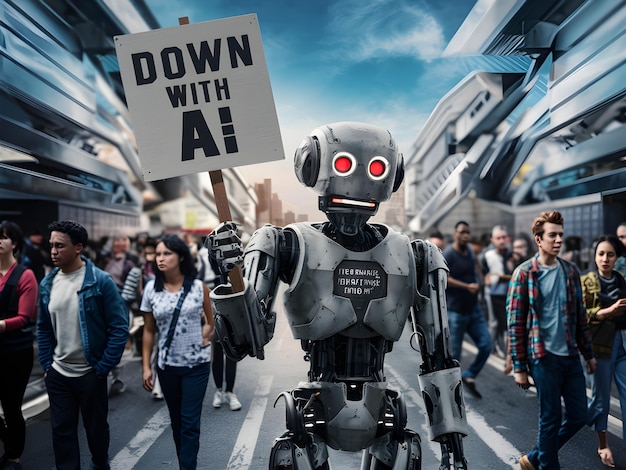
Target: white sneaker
x,y
233,402
218,398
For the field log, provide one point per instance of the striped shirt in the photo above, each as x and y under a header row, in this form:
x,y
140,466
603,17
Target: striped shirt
x,y
524,308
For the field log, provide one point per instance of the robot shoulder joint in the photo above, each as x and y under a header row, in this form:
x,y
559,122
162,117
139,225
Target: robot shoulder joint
x,y
429,256
265,240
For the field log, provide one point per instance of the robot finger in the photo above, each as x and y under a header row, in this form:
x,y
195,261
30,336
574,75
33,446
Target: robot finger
x,y
224,238
225,227
228,264
231,250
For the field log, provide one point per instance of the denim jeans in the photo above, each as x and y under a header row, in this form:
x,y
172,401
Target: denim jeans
x,y
556,377
68,396
184,389
607,369
475,326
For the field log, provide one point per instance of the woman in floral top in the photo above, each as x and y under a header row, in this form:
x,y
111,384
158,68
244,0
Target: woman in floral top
x,y
184,359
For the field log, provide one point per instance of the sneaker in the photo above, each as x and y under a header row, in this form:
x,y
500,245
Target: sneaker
x,y
524,463
233,402
218,398
470,385
117,386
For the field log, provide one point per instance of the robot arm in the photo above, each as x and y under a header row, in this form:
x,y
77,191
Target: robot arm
x,y
440,375
244,321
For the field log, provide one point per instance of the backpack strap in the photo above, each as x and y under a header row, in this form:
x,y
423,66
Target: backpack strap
x,y
9,299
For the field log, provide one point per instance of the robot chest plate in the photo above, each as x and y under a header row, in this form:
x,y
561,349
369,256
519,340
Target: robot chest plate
x,y
362,295
360,280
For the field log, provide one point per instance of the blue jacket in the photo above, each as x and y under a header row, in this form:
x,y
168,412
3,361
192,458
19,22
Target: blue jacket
x,y
103,318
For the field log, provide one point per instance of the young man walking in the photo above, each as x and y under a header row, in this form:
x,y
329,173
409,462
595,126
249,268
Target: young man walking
x,y
547,325
464,313
82,331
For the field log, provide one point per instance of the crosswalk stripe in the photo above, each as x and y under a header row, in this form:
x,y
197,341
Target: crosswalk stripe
x,y
241,457
139,445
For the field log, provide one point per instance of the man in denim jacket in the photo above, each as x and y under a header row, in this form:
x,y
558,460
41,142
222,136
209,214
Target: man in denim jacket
x,y
82,332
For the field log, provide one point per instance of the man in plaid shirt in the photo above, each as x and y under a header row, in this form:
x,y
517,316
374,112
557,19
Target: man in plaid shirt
x,y
547,325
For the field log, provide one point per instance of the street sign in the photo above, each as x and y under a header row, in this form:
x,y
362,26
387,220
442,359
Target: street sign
x,y
199,96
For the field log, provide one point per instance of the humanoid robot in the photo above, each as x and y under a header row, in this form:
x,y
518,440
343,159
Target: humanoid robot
x,y
352,286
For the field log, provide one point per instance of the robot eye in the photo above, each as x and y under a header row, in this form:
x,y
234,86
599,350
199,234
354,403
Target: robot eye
x,y
378,168
344,164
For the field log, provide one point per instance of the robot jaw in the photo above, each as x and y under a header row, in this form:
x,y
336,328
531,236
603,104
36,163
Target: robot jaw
x,y
348,215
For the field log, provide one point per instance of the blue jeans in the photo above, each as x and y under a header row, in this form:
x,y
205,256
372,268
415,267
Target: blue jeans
x,y
68,396
184,389
556,377
475,326
606,370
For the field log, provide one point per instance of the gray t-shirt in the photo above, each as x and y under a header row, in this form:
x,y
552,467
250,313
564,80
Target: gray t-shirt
x,y
552,288
68,358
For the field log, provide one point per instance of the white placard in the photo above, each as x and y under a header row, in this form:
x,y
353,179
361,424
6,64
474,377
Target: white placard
x,y
200,97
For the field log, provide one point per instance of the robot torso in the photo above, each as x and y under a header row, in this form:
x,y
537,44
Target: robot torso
x,y
358,294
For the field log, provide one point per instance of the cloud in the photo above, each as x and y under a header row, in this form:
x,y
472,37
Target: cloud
x,y
383,29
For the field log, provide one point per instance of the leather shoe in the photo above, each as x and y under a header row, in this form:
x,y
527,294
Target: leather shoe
x,y
470,385
524,463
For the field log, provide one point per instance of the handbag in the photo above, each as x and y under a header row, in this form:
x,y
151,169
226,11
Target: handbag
x,y
602,335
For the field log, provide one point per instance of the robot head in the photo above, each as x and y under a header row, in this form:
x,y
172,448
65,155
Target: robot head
x,y
353,167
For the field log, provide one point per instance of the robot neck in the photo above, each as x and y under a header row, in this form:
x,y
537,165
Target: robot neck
x,y
366,238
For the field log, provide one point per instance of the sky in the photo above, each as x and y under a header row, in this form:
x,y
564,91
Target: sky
x,y
374,61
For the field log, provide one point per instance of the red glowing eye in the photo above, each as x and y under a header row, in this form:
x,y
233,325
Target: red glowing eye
x,y
377,168
343,164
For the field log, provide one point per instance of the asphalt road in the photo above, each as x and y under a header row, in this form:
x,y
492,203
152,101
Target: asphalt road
x,y
502,423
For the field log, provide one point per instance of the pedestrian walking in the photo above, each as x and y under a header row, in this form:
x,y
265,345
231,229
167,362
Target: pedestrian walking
x,y
81,333
464,313
604,296
18,313
547,325
177,305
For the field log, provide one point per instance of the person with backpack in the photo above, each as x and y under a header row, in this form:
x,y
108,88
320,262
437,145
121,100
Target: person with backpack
x,y
18,313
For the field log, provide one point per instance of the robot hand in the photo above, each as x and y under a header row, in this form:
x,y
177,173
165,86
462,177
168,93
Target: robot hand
x,y
225,246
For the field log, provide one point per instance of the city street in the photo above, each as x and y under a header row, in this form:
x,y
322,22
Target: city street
x,y
502,424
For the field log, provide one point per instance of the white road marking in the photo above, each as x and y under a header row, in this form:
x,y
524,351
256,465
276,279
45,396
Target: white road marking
x,y
414,399
502,448
139,445
241,457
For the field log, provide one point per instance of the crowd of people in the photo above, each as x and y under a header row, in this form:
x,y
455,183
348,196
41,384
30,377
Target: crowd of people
x,y
522,298
525,300
85,305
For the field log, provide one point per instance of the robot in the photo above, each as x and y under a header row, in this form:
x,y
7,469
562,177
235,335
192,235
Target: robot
x,y
351,288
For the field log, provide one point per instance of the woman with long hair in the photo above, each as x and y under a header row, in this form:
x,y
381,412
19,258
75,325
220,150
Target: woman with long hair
x,y
177,305
604,296
18,313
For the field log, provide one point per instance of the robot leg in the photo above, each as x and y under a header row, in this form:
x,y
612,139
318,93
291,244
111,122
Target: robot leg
x,y
287,455
388,454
